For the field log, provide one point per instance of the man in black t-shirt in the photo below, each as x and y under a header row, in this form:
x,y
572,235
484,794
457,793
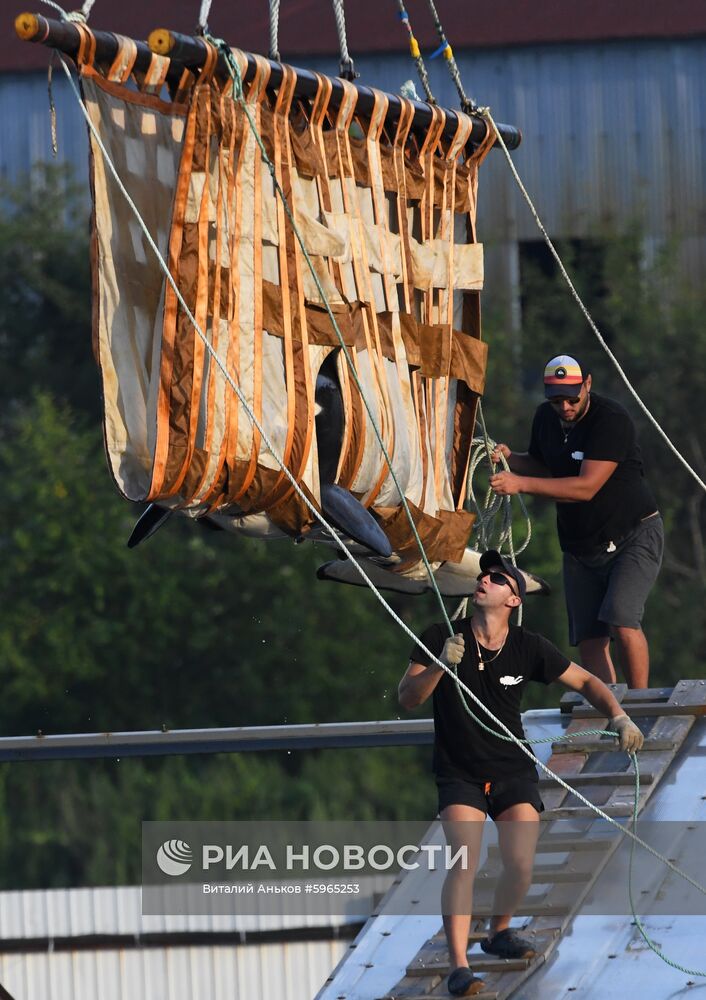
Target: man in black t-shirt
x,y
583,453
479,773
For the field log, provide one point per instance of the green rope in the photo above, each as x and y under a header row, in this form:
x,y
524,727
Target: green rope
x,y
238,93
403,625
470,106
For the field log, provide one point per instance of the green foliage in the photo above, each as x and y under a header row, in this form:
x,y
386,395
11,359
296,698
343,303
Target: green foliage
x,y
195,629
652,321
45,306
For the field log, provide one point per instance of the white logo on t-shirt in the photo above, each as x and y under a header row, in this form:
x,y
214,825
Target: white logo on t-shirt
x,y
508,681
578,455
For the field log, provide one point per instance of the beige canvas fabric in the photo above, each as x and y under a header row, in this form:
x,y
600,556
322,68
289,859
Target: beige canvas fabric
x,y
389,225
143,138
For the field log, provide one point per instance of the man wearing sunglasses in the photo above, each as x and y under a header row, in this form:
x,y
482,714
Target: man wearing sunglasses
x,y
479,773
583,453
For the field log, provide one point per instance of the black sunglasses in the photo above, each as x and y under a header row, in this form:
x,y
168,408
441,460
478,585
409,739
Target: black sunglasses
x,y
571,400
498,579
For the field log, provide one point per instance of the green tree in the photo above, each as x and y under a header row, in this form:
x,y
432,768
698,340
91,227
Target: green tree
x,y
45,307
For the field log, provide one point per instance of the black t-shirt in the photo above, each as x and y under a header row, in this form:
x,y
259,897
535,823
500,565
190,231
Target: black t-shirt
x,y
461,748
606,433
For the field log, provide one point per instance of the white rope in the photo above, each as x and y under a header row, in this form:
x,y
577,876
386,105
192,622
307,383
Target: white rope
x,y
579,301
56,6
319,517
274,30
204,11
346,61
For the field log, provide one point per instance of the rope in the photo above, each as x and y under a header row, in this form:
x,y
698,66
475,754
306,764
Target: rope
x,y
52,106
493,505
238,90
445,49
204,11
81,15
579,301
347,67
416,53
274,30
268,444
470,106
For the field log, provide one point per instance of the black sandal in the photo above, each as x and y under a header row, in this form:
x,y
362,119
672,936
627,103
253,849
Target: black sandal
x,y
509,944
462,983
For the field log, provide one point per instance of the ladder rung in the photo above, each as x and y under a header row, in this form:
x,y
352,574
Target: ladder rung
x,y
649,709
479,963
599,745
566,845
583,812
598,778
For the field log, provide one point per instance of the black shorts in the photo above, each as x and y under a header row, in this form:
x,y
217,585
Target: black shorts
x,y
491,797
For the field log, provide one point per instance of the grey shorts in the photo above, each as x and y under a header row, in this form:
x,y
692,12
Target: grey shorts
x,y
611,588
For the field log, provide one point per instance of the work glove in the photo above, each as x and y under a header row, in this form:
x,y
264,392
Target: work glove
x,y
453,650
631,739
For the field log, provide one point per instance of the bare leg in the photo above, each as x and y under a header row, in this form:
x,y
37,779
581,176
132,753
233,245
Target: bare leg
x,y
518,831
634,655
463,826
595,657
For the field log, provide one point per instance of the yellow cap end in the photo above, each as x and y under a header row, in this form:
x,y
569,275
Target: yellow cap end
x,y
161,41
26,26
414,48
448,53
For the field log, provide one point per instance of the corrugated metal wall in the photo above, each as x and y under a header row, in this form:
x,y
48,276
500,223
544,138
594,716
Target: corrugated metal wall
x,y
613,133
288,970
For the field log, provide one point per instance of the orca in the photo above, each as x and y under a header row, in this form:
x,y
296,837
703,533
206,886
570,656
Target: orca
x,y
340,507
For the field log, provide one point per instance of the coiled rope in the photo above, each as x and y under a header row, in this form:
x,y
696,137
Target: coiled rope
x,y
485,112
470,106
239,97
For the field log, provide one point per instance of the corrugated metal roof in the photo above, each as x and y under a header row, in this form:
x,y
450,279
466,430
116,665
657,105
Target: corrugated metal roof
x,y
598,956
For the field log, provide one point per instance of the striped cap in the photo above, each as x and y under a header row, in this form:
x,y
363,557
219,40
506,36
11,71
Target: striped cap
x,y
563,376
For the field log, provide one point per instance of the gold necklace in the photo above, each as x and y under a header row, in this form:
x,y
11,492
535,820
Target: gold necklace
x,y
481,661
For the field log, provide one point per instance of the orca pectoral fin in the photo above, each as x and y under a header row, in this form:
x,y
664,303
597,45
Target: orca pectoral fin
x,y
351,517
152,520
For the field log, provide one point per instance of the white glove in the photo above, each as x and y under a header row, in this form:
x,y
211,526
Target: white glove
x,y
453,650
631,738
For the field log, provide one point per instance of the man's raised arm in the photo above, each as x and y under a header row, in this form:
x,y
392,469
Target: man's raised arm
x,y
419,681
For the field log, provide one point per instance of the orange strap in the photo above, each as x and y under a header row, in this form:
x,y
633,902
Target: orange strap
x,y
255,95
124,61
156,74
87,46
